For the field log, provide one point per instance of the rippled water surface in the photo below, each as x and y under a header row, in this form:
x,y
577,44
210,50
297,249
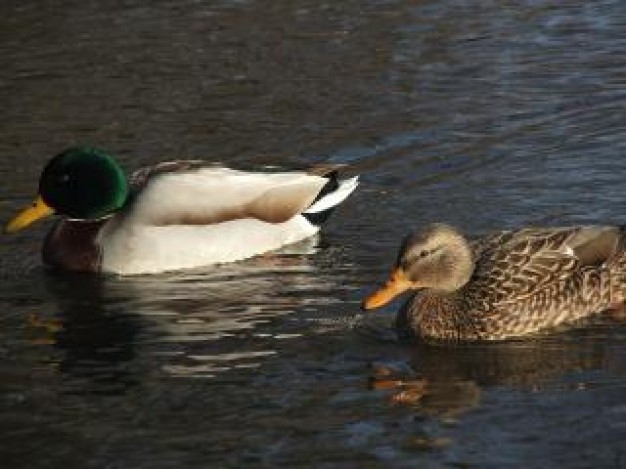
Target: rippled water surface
x,y
483,114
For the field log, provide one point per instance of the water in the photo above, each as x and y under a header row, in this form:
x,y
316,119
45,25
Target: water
x,y
482,114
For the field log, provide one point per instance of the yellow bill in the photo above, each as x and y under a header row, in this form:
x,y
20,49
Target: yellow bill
x,y
396,285
35,212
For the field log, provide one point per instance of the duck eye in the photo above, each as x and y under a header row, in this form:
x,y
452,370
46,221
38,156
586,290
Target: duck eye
x,y
64,178
424,253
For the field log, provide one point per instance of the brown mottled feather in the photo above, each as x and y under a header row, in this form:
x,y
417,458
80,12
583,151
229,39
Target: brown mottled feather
x,y
522,282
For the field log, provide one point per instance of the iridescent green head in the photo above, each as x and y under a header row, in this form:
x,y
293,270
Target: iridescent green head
x,y
82,182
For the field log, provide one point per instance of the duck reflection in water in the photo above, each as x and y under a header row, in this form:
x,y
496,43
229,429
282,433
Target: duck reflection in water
x,y
198,322
96,338
447,381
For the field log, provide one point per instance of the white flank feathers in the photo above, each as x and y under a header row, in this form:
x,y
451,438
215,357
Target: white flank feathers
x,y
152,249
148,239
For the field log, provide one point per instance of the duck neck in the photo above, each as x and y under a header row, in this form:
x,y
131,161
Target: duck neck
x,y
437,315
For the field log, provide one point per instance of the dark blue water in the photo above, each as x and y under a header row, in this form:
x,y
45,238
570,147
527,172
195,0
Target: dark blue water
x,y
482,114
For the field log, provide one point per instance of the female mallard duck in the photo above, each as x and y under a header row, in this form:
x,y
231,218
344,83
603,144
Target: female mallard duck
x,y
172,216
508,284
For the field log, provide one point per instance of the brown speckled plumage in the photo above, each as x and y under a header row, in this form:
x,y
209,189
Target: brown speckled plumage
x,y
520,282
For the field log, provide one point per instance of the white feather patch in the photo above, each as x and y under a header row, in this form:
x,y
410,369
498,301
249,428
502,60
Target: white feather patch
x,y
346,187
212,193
151,249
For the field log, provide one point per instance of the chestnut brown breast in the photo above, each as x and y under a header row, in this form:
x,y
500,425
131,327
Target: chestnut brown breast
x,y
71,245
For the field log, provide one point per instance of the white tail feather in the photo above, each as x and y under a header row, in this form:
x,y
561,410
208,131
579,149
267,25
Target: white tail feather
x,y
346,187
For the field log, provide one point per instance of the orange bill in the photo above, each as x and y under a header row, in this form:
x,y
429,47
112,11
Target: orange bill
x,y
396,285
36,211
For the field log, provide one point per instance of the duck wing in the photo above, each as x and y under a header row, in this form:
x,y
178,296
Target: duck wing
x,y
515,264
190,193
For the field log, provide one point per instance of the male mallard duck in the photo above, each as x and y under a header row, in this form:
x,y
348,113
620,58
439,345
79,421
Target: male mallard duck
x,y
507,284
175,215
